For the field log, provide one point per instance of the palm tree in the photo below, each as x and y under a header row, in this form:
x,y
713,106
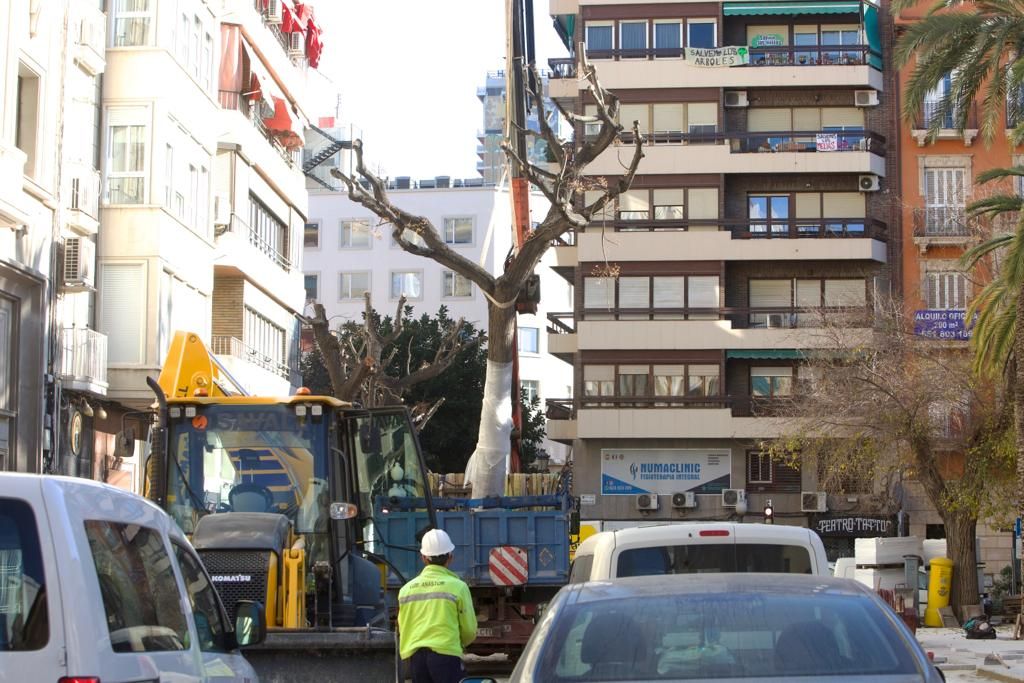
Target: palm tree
x,y
979,46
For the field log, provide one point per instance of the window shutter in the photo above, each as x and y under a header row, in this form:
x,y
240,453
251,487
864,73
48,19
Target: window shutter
x,y
669,204
808,205
598,373
771,293
703,291
607,212
844,205
668,118
703,202
702,114
628,113
635,200
806,119
845,293
598,292
634,292
769,120
842,117
668,292
808,293
123,310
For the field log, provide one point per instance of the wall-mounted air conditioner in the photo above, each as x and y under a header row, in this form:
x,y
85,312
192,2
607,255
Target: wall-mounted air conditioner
x,y
865,98
813,501
296,43
868,183
733,497
79,264
685,499
647,501
274,14
736,98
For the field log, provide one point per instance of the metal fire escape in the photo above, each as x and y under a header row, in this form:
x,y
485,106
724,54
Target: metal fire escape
x,y
330,147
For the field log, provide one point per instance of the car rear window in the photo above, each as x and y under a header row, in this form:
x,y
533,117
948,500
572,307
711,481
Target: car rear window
x,y
714,558
24,622
140,593
723,635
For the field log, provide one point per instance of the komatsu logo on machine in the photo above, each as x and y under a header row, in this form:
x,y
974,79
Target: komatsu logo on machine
x,y
231,578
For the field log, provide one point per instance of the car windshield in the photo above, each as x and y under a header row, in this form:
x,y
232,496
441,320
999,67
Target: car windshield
x,y
723,635
248,458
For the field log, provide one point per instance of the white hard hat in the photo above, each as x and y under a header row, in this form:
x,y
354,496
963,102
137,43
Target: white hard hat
x,y
436,543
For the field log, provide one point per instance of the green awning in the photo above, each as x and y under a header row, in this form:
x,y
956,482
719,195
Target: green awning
x,y
765,354
565,26
733,9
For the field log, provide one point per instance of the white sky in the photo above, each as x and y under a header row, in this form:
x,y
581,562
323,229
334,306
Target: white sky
x,y
407,72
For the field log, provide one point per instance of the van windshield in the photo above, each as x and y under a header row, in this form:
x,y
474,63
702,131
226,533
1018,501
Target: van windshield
x,y
714,558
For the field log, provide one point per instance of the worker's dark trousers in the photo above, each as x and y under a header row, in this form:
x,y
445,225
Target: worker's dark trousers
x,y
429,667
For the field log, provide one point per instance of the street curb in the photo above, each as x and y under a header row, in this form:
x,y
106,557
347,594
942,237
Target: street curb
x,y
997,675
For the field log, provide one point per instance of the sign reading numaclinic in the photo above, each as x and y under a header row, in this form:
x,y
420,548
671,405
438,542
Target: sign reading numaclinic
x,y
664,471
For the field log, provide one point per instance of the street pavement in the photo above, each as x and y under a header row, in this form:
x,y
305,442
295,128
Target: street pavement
x,y
960,659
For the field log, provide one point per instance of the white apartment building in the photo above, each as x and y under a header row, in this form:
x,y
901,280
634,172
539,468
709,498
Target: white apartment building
x,y
52,361
347,254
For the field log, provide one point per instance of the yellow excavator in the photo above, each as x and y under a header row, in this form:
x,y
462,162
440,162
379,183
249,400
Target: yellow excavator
x,y
276,494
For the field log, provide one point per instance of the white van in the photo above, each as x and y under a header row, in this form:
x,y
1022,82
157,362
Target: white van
x,y
100,585
696,547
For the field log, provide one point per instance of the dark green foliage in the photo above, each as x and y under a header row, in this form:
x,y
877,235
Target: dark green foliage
x,y
533,431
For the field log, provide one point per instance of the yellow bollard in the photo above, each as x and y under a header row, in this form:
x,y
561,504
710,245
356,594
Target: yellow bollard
x,y
940,580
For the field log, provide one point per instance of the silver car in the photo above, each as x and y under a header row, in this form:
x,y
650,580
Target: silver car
x,y
722,627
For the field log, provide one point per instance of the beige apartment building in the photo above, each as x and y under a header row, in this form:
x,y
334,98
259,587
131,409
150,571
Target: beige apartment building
x,y
763,194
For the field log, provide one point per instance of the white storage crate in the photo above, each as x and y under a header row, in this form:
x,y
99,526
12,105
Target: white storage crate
x,y
876,551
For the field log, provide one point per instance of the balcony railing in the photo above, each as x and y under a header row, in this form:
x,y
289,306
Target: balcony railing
x,y
941,221
234,100
655,402
244,230
787,317
745,228
742,142
561,323
234,347
791,55
560,409
84,190
84,355
562,67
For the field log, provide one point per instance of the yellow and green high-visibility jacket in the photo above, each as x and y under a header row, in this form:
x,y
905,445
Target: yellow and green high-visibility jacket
x,y
435,611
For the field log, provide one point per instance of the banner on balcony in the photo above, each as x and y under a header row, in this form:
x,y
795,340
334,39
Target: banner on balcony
x,y
942,324
826,142
718,56
626,472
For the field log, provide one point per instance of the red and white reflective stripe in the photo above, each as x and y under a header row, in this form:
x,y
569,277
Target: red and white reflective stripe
x,y
508,566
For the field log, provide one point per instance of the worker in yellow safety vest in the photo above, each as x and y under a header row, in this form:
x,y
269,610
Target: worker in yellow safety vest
x,y
435,615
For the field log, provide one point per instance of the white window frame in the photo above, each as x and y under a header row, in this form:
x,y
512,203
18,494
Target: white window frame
x,y
960,288
129,15
760,467
654,34
519,337
319,233
391,285
647,29
531,387
345,293
599,24
354,221
450,239
314,275
702,20
120,118
449,289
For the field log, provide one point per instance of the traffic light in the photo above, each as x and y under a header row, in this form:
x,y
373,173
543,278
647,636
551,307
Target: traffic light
x,y
769,512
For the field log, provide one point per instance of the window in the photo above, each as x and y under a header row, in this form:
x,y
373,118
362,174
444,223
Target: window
x,y
181,40
454,285
169,177
599,37
598,295
24,618
408,236
126,164
669,205
841,35
946,291
701,33
131,23
669,380
702,380
195,43
771,382
206,610
633,380
714,558
598,380
311,235
945,198
26,125
668,39
312,284
193,194
768,214
207,63
458,230
355,234
406,283
633,38
268,233
529,340
759,468
530,389
354,285
139,589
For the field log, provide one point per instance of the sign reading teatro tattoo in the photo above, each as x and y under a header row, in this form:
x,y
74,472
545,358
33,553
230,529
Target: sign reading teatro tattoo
x,y
859,527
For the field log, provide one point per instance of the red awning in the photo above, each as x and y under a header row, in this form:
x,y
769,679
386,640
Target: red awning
x,y
304,13
289,20
314,46
282,118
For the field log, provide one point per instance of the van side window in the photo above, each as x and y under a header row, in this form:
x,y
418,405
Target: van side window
x,y
580,570
24,622
205,605
677,559
140,592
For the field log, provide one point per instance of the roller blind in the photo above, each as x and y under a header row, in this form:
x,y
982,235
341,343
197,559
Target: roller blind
x,y
808,205
771,120
808,293
634,112
845,293
703,202
598,373
668,117
850,117
669,204
702,114
607,212
633,369
773,371
123,310
807,119
703,291
668,292
844,204
770,293
598,292
634,200
634,292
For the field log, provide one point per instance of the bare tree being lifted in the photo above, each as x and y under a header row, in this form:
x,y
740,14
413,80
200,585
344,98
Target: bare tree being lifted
x,y
564,188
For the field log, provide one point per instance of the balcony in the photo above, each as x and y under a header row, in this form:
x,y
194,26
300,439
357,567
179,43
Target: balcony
x,y
765,152
240,228
561,420
236,101
90,36
233,348
84,360
941,226
947,126
83,192
744,229
562,336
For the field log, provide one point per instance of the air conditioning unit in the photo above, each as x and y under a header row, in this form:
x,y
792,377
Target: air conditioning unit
x,y
732,497
221,210
296,43
868,183
647,501
813,501
273,15
687,499
865,98
736,98
79,264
